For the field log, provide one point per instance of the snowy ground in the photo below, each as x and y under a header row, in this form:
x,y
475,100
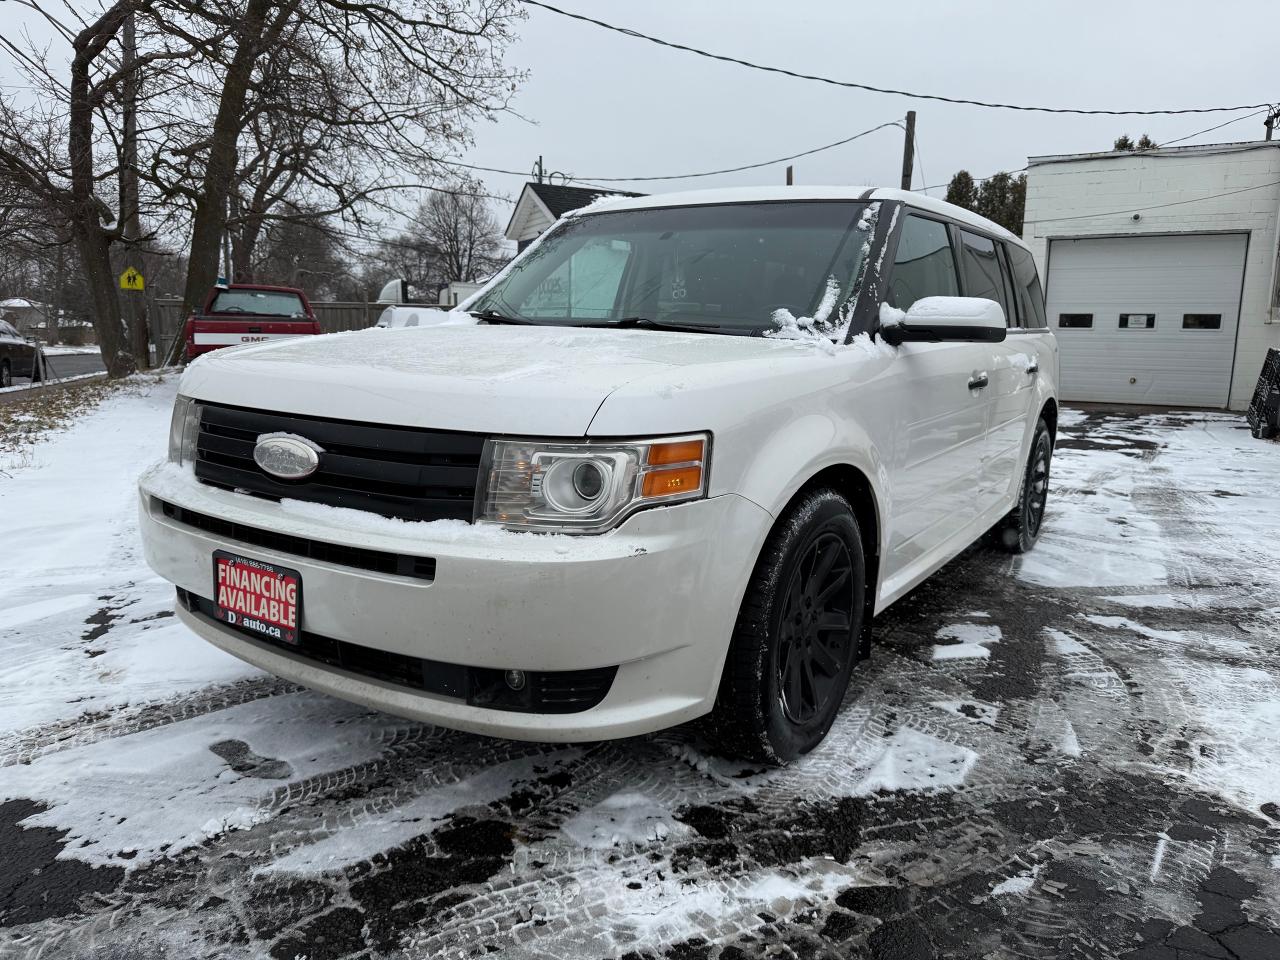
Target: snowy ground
x,y
1076,753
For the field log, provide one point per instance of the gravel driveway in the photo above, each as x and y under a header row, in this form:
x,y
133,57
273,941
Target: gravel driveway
x,y
1071,754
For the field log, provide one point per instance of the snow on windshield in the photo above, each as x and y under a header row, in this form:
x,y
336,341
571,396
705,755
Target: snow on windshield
x,y
822,328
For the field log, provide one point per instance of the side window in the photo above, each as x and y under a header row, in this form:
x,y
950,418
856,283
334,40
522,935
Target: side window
x,y
584,287
924,265
1027,286
983,274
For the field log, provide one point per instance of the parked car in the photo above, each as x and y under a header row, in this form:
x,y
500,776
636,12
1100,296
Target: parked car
x,y
691,446
243,313
18,357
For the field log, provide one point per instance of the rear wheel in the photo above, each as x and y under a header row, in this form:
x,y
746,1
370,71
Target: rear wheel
x,y
797,635
1020,530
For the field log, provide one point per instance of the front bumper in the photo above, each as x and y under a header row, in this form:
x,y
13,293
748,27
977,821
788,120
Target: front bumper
x,y
656,598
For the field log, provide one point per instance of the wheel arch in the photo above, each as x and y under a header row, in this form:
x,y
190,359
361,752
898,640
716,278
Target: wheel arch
x,y
854,485
1049,413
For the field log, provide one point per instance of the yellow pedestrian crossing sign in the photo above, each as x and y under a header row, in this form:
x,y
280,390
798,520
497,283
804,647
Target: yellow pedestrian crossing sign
x,y
131,279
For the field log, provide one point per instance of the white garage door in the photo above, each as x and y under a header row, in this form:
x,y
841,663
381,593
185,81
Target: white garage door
x,y
1147,319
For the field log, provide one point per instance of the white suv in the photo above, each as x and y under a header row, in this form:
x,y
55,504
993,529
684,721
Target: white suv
x,y
689,447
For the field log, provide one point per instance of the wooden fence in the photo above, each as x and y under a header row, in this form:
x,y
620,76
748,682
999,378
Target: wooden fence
x,y
167,319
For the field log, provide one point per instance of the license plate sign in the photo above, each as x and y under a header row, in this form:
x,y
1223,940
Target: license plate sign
x,y
257,596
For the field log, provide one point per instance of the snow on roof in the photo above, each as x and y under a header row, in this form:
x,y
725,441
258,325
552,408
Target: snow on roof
x,y
693,198
17,303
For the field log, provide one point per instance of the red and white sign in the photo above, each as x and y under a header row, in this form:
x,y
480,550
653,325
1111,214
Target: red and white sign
x,y
257,596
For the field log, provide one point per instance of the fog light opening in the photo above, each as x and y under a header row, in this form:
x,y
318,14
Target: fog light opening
x,y
515,679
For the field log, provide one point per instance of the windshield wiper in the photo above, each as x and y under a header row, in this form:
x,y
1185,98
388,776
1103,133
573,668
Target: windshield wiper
x,y
493,316
647,323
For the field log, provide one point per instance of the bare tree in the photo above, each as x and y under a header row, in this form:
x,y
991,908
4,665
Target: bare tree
x,y
258,107
327,104
461,231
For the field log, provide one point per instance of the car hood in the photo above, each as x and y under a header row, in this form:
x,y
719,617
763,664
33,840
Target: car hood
x,y
547,381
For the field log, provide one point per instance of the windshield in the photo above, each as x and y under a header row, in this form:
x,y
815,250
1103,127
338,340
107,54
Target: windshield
x,y
263,303
735,268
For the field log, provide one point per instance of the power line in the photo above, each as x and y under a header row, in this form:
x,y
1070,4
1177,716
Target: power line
x,y
591,181
749,166
627,31
1169,143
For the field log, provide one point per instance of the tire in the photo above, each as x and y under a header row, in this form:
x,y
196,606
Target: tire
x,y
786,672
1263,431
1019,531
6,375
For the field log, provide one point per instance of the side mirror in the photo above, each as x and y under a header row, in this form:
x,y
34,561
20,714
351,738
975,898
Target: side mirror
x,y
940,319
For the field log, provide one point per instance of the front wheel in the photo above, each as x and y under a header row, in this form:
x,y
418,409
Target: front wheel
x,y
797,635
1020,529
6,375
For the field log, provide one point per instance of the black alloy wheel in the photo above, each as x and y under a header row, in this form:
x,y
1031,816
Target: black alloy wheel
x,y
1038,484
799,633
814,630
1020,529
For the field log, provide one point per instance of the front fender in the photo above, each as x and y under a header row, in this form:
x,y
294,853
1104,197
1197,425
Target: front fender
x,y
789,458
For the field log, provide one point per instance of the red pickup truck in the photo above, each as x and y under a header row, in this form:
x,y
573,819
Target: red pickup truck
x,y
248,313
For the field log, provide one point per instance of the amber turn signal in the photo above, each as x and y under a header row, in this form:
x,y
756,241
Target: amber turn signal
x,y
680,451
664,483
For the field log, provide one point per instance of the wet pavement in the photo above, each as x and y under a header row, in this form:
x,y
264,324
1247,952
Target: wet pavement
x,y
1071,754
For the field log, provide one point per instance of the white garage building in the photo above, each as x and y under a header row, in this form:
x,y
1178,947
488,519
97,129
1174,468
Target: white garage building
x,y
1160,270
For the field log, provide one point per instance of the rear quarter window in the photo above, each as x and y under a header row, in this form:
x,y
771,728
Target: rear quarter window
x,y
1027,286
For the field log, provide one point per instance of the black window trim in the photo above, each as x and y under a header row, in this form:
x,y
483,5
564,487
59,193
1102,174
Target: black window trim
x,y
895,212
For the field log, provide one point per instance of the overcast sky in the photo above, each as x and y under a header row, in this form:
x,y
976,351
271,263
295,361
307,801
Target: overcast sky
x,y
606,105
610,105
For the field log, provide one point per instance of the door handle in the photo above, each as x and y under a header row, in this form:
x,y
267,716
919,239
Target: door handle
x,y
1033,369
979,381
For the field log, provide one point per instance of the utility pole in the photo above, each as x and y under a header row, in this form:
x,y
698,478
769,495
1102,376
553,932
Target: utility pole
x,y
130,225
791,178
909,150
1270,122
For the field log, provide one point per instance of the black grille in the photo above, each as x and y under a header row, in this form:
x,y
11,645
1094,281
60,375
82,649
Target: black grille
x,y
562,691
399,472
400,564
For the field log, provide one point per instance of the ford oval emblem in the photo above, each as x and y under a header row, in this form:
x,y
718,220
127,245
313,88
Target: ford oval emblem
x,y
287,456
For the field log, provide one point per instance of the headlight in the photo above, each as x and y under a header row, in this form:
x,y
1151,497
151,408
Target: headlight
x,y
184,428
586,487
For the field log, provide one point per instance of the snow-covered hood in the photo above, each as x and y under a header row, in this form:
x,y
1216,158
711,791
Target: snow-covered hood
x,y
547,381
